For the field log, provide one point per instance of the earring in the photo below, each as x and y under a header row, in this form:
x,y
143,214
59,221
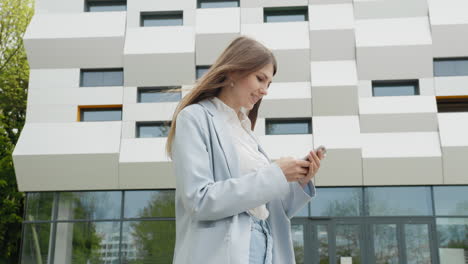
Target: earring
x,y
232,84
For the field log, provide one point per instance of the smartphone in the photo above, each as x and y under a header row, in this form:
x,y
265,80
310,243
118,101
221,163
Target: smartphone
x,y
319,148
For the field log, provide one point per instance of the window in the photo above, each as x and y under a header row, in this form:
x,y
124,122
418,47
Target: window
x,y
152,129
452,104
159,94
395,88
91,227
288,126
201,70
451,200
105,5
217,3
398,201
285,14
100,113
101,77
337,202
451,67
137,201
164,18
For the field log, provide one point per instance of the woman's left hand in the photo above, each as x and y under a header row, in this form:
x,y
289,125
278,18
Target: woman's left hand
x,y
313,168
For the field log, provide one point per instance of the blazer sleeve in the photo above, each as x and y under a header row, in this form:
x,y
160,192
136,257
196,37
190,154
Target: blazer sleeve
x,y
206,199
297,197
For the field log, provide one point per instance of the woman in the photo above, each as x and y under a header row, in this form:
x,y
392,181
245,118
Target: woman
x,y
233,205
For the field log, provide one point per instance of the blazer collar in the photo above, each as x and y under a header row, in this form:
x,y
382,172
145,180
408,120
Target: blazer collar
x,y
223,135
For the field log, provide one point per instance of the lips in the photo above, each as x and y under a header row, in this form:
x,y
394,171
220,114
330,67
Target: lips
x,y
255,99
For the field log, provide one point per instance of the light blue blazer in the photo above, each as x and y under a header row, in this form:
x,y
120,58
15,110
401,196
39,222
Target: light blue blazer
x,y
211,197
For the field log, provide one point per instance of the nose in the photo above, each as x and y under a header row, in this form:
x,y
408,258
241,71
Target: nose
x,y
264,91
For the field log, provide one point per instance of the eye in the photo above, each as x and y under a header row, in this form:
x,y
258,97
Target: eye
x,y
260,79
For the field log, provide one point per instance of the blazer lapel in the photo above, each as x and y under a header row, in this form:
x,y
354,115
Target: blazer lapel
x,y
230,153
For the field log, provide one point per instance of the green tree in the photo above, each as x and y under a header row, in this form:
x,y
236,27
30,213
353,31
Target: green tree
x,y
15,15
154,240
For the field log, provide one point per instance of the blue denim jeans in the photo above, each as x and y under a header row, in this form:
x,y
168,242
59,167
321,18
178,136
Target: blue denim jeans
x,y
261,242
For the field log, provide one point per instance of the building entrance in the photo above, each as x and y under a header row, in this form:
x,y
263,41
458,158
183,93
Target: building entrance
x,y
389,240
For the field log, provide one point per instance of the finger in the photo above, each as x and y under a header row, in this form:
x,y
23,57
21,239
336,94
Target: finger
x,y
303,163
315,159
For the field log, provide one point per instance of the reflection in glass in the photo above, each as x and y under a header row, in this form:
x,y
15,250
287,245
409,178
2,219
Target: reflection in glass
x,y
337,202
288,126
103,6
322,237
93,78
89,205
451,200
291,14
297,232
39,206
348,244
148,242
385,243
144,204
101,114
393,201
395,90
159,94
453,239
218,3
417,244
153,129
173,18
35,243
201,70
87,242
451,67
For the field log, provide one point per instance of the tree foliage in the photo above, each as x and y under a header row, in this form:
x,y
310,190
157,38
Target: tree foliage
x,y
15,15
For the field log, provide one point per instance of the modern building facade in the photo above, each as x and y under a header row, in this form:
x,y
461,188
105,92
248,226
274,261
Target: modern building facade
x,y
383,84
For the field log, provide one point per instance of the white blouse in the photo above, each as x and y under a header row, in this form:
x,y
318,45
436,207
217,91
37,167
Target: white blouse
x,y
251,159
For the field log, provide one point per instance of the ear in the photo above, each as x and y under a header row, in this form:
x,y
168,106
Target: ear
x,y
233,76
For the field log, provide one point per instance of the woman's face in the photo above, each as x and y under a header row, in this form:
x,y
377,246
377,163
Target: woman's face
x,y
251,88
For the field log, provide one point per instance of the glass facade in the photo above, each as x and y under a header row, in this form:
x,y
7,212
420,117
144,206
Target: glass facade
x,y
407,224
99,227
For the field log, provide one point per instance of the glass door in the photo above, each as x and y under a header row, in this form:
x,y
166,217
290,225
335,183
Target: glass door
x,y
365,241
402,240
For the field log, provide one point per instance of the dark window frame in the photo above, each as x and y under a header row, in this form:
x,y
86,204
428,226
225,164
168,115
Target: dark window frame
x,y
290,120
199,3
83,109
140,90
447,59
452,104
82,71
396,83
285,10
139,124
179,14
201,68
104,3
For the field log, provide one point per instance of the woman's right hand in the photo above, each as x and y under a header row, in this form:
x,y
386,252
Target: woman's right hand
x,y
293,169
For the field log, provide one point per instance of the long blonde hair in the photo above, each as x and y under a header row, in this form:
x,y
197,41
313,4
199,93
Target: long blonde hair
x,y
243,55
